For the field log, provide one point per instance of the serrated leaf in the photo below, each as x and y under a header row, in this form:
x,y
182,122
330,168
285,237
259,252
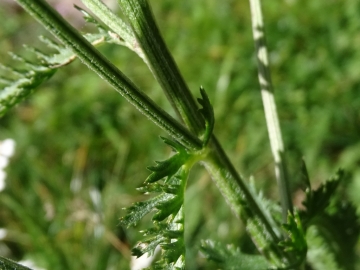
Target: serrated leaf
x,y
296,240
170,266
151,188
320,255
164,168
317,200
345,223
332,225
90,19
169,167
172,233
171,189
231,258
17,90
168,230
104,33
177,147
337,230
137,211
22,83
168,207
171,242
173,250
208,112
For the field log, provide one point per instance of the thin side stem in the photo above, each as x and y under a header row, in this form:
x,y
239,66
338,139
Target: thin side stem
x,y
53,22
161,62
272,120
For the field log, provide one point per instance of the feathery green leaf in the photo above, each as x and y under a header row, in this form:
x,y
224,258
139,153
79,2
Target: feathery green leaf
x,y
231,258
170,166
320,255
317,200
137,211
19,84
168,230
295,243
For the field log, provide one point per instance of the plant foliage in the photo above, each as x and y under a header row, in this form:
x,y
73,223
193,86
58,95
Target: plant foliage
x,y
317,200
18,84
231,258
168,219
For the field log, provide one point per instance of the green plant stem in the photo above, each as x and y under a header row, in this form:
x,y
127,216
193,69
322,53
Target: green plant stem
x,y
53,22
272,120
231,185
239,197
161,62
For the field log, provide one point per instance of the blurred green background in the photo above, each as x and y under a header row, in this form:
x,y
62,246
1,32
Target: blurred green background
x,y
81,150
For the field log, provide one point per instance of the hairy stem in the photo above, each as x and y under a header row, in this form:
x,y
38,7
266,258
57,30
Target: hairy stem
x,y
49,18
272,120
231,185
239,197
161,62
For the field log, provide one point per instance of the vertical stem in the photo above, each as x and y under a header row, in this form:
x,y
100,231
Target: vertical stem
x,y
162,64
267,94
237,194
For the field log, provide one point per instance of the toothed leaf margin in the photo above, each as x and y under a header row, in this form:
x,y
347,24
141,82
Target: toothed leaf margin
x,y
22,83
168,218
231,258
317,200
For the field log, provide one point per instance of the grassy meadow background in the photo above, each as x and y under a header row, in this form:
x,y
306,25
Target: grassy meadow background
x,y
82,150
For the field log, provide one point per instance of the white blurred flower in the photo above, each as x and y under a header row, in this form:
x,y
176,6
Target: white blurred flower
x,y
2,180
7,149
144,261
3,233
4,161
